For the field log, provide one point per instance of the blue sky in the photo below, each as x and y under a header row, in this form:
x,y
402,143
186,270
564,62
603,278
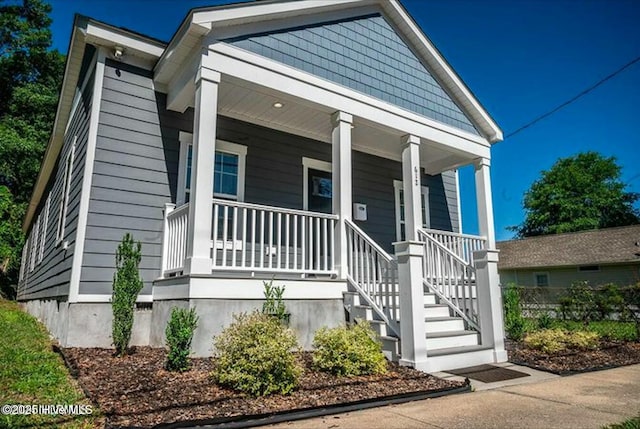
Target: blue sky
x,y
520,58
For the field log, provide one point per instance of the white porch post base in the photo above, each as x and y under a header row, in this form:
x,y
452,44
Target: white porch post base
x,y
490,302
412,328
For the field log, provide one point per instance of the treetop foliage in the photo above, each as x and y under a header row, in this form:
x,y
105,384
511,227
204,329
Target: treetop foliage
x,y
580,192
30,78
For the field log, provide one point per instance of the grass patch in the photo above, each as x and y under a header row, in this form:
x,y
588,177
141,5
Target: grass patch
x,y
31,373
632,423
609,329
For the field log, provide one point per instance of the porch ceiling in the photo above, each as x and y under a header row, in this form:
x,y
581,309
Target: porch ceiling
x,y
252,103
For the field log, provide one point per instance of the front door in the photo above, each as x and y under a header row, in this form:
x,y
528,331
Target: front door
x,y
319,188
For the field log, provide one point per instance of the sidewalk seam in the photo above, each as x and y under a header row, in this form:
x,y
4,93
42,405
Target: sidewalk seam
x,y
562,402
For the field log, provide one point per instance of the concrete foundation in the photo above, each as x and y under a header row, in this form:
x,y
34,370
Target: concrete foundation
x,y
307,316
86,324
89,324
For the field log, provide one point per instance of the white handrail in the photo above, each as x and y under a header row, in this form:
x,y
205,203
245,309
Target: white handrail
x,y
258,238
374,274
451,278
175,238
463,245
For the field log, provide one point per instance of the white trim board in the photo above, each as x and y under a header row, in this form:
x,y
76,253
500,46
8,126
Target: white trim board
x,y
85,191
234,288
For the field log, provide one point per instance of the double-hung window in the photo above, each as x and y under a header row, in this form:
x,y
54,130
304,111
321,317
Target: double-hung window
x,y
228,174
64,195
399,203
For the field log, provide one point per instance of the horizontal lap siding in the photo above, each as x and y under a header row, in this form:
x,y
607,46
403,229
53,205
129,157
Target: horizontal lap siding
x,y
51,277
622,275
274,176
134,175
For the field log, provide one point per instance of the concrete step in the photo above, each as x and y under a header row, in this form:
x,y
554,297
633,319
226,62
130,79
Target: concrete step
x,y
443,324
380,327
449,339
458,357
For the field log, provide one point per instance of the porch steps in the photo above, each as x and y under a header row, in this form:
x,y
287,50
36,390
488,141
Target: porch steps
x,y
448,343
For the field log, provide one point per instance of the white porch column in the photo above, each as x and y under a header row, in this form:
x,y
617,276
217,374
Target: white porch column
x,y
485,201
487,279
342,189
204,147
411,186
412,327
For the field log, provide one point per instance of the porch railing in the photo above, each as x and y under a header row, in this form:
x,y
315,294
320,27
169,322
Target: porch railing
x,y
253,237
374,274
462,245
175,238
451,278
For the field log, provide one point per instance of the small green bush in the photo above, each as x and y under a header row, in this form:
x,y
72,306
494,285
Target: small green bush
x,y
349,351
544,321
254,355
579,303
179,334
607,300
127,284
274,303
556,340
514,323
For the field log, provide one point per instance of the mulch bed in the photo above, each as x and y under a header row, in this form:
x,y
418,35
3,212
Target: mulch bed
x,y
136,390
608,355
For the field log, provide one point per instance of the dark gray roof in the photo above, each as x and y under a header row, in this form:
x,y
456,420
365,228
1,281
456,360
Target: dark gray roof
x,y
594,247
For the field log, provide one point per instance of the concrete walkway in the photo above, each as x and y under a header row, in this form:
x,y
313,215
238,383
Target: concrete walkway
x,y
582,401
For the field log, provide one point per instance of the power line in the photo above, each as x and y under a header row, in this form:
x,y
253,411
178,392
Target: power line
x,y
571,100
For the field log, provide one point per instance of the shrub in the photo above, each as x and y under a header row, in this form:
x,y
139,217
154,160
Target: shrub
x,y
557,340
631,306
126,286
274,304
579,303
349,351
608,299
513,320
253,355
179,334
544,321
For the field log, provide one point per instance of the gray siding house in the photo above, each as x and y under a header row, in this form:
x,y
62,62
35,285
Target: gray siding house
x,y
310,142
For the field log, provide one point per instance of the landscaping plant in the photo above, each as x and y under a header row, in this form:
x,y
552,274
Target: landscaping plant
x,y
179,334
514,322
579,303
348,351
631,306
127,284
274,304
254,355
557,340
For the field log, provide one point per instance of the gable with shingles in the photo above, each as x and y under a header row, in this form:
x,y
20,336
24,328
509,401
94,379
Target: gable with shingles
x,y
367,55
594,247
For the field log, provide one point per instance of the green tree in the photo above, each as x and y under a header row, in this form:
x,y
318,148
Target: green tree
x,y
580,192
30,78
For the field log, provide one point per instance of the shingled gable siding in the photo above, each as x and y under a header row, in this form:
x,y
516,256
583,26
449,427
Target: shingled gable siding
x,y
135,174
50,278
364,54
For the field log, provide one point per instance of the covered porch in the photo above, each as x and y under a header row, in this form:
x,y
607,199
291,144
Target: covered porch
x,y
323,235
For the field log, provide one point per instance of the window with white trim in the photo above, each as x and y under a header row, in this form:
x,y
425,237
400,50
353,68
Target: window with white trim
x,y
23,262
43,228
35,233
541,279
64,195
399,203
229,170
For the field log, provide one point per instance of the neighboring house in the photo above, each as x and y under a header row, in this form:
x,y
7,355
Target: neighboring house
x,y
599,256
293,140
